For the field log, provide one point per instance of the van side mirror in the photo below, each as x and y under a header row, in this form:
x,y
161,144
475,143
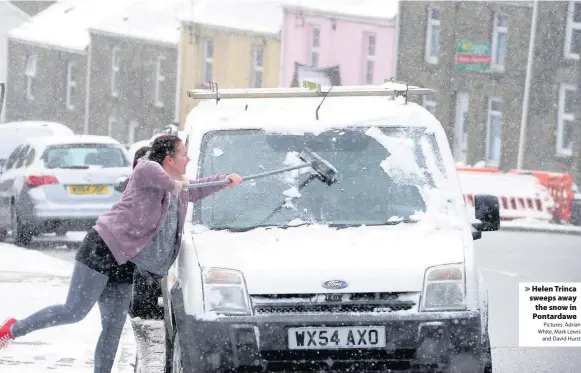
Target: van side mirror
x,y
487,214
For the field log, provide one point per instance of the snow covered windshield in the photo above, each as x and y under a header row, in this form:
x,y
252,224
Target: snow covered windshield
x,y
381,175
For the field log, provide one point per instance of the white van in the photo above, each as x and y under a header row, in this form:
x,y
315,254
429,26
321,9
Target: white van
x,y
373,272
14,133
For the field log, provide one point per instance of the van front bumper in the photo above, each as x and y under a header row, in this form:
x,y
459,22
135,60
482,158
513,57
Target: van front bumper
x,y
414,342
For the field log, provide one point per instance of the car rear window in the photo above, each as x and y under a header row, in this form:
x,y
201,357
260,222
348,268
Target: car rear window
x,y
84,156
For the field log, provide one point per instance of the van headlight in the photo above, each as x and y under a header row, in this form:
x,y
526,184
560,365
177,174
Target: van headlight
x,y
225,292
444,288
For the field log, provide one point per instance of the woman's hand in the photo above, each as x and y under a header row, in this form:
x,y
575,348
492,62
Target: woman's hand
x,y
179,185
235,180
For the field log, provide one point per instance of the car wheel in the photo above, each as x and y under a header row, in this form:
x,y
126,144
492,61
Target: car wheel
x,y
20,232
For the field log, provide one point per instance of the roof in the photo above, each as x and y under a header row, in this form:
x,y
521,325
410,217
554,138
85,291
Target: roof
x,y
74,139
254,16
351,9
66,23
297,115
57,127
150,20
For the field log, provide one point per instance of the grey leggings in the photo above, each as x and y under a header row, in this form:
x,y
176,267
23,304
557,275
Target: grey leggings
x,y
87,288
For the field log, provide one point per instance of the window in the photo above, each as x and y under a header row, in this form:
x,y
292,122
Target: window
x,y
315,45
71,85
499,37
115,62
429,105
573,31
30,75
257,66
494,132
369,58
208,60
565,119
159,80
433,36
84,155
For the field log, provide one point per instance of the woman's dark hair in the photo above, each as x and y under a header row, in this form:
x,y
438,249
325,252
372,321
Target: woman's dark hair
x,y
163,146
140,153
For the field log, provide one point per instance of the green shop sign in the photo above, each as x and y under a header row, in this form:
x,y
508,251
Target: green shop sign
x,y
473,56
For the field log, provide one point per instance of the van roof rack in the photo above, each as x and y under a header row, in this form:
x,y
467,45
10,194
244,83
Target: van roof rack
x,y
309,89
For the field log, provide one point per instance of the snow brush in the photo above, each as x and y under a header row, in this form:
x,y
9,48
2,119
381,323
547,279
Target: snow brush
x,y
324,170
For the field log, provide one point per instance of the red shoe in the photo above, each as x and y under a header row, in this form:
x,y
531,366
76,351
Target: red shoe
x,y
5,336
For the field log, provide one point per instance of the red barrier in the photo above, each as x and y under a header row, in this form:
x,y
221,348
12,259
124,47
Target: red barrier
x,y
559,186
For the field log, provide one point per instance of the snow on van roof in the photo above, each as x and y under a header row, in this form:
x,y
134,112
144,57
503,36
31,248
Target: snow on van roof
x,y
152,20
297,115
66,23
74,139
372,9
257,16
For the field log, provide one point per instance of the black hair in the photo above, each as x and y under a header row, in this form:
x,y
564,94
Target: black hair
x,y
140,153
163,146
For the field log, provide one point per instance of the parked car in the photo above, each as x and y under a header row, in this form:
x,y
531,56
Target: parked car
x,y
14,133
59,184
371,273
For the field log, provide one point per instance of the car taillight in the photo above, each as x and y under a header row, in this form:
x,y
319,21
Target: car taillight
x,y
34,180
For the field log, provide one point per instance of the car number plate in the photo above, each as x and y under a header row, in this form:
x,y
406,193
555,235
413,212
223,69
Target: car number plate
x,y
88,189
315,338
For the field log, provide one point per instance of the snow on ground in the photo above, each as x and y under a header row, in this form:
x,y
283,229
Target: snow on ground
x,y
31,280
540,226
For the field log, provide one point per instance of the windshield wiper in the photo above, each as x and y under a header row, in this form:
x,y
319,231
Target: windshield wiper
x,y
375,224
84,167
251,227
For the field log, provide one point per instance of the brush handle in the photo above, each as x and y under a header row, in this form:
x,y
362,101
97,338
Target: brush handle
x,y
249,177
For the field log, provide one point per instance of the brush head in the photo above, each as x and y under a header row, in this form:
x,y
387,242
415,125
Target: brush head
x,y
324,169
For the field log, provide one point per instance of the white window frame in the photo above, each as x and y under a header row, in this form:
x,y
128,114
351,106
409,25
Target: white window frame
x,y
30,74
315,48
257,68
496,32
71,85
115,67
430,25
370,57
208,62
159,80
563,116
571,27
111,122
492,114
429,104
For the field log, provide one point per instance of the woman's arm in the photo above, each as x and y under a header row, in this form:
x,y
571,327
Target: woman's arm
x,y
196,194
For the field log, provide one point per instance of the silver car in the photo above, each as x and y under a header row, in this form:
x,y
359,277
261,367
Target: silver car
x,y
60,184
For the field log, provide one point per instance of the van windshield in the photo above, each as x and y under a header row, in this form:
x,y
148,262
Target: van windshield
x,y
381,175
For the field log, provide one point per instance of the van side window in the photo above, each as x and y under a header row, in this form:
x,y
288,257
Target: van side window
x,y
13,158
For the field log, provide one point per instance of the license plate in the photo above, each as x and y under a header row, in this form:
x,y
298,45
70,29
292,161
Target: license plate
x,y
88,189
324,338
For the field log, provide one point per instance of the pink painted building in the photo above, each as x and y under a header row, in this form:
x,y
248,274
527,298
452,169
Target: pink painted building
x,y
339,44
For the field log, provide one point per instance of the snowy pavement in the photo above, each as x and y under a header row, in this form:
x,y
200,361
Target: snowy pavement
x,y
31,280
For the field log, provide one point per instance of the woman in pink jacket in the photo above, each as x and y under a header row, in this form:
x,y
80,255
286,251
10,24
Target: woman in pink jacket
x,y
142,231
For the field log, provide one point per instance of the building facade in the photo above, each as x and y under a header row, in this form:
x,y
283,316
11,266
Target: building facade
x,y
133,72
337,46
233,52
474,55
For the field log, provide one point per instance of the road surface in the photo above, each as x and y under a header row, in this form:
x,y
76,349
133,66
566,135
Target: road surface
x,y
506,258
